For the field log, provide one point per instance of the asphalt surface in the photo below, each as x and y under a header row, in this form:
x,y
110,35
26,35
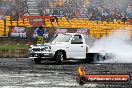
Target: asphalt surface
x,y
24,73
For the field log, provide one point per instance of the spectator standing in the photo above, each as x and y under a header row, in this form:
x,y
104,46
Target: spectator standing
x,y
40,33
103,18
56,19
124,19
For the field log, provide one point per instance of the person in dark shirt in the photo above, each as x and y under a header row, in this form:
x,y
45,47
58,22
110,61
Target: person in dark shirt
x,y
56,19
124,19
103,18
52,20
40,31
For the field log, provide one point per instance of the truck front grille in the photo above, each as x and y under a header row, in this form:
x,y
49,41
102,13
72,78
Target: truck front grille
x,y
37,49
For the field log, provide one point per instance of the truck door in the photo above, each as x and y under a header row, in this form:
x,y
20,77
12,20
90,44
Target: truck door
x,y
77,48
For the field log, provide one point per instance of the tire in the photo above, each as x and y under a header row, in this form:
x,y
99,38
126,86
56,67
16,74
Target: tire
x,y
88,60
37,60
100,58
60,56
81,80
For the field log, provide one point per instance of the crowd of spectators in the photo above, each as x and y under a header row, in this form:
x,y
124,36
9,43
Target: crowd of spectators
x,y
102,10
52,7
13,8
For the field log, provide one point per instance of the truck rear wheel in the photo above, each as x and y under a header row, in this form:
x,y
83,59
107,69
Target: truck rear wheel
x,y
98,57
37,60
60,56
89,58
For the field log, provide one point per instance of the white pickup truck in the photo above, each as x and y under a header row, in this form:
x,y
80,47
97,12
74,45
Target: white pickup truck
x,y
63,47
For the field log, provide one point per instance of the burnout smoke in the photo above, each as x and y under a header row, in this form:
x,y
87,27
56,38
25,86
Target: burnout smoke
x,y
119,44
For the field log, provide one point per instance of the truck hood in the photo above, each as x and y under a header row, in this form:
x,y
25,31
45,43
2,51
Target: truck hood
x,y
38,46
48,44
54,43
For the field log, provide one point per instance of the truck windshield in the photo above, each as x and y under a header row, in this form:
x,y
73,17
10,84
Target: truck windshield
x,y
61,38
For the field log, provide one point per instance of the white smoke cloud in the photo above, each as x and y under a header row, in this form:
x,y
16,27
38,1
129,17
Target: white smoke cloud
x,y
119,44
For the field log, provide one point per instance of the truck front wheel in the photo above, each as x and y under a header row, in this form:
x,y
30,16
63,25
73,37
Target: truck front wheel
x,y
37,60
60,56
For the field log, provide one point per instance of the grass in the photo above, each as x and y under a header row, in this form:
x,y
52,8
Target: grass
x,y
13,46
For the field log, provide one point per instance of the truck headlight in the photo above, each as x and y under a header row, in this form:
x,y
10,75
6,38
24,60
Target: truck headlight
x,y
30,46
48,48
30,49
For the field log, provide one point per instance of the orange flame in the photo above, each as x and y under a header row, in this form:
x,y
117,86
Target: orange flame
x,y
81,71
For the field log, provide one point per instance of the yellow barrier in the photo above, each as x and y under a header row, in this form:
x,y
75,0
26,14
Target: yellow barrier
x,y
7,18
48,24
60,24
20,23
14,23
97,35
8,23
27,23
96,29
7,31
1,23
55,24
1,32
